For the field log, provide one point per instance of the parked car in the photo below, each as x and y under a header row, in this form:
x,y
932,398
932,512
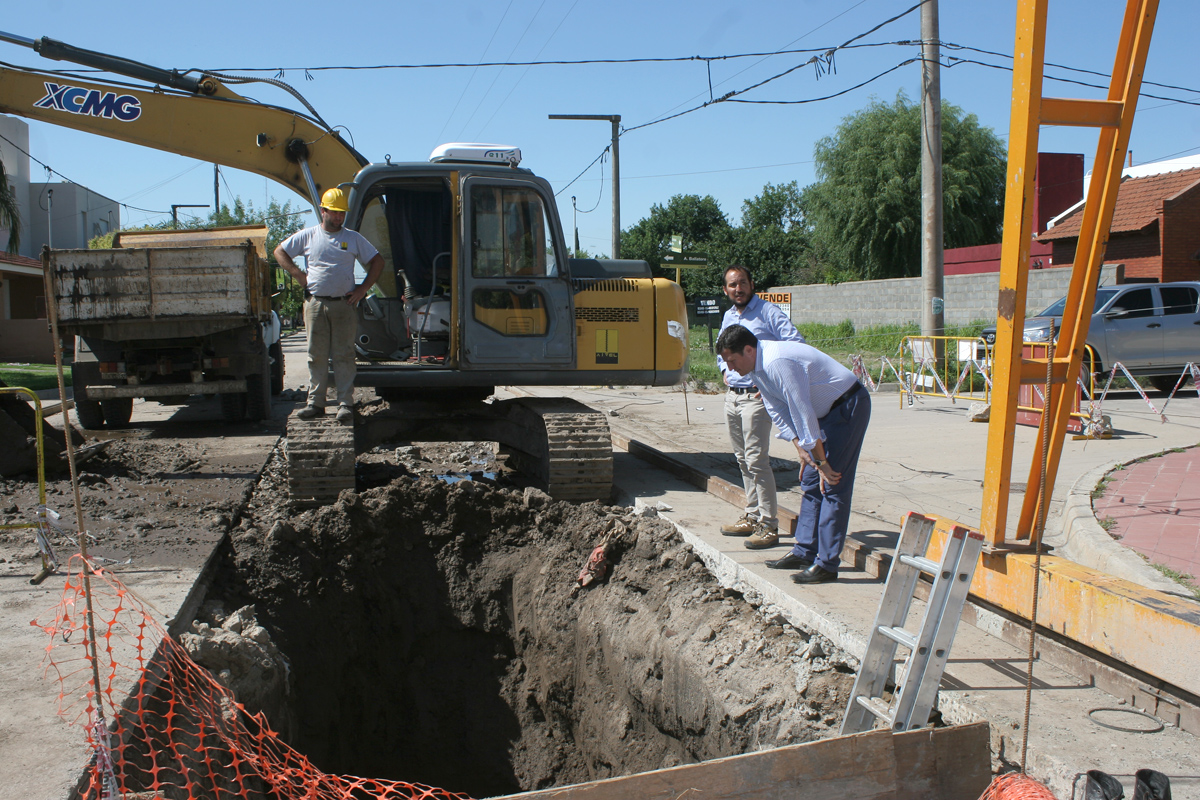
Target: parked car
x,y
1151,328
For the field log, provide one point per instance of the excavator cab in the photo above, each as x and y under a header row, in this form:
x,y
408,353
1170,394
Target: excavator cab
x,y
474,276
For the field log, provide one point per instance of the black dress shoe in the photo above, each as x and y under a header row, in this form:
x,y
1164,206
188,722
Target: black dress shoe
x,y
790,561
814,574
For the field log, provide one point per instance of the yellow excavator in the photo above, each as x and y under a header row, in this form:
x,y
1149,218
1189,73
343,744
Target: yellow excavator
x,y
478,289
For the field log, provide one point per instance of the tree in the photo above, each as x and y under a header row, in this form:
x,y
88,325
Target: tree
x,y
701,223
771,239
10,212
865,209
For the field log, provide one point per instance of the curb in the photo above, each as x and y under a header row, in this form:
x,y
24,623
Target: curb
x,y
1085,542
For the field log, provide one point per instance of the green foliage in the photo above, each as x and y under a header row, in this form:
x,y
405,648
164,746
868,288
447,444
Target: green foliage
x,y
10,211
865,209
771,239
701,223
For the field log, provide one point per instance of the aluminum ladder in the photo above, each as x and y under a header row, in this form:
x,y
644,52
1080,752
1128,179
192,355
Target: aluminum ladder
x,y
929,648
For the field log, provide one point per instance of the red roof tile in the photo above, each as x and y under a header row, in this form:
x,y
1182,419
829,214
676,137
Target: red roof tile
x,y
20,261
1137,204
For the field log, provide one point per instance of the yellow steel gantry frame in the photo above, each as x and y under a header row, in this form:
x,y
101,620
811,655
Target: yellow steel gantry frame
x,y
1030,110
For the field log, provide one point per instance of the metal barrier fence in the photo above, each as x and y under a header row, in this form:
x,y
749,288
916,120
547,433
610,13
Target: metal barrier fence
x,y
952,367
44,518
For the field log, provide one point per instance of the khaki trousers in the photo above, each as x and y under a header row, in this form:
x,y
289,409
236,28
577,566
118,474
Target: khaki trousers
x,y
750,433
332,324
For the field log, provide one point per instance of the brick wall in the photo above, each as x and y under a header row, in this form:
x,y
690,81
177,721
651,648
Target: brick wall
x,y
897,301
1180,223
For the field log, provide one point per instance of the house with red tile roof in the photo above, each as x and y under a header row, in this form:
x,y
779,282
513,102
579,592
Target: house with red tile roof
x,y
1155,230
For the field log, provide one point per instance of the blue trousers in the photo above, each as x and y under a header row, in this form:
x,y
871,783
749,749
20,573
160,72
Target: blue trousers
x,y
824,519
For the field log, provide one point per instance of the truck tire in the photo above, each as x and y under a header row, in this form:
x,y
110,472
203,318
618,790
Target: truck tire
x,y
233,407
88,411
258,391
276,353
117,411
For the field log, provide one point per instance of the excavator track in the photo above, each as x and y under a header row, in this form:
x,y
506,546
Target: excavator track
x,y
577,463
320,460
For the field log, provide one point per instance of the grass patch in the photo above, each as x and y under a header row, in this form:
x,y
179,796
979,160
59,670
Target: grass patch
x,y
1184,579
841,341
32,376
1101,487
1107,523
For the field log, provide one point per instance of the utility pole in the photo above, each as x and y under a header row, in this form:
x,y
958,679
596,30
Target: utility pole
x,y
575,223
175,211
615,119
50,218
216,187
933,316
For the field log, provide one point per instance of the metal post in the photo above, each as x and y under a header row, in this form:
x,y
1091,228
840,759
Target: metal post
x,y
575,223
175,211
217,188
933,317
615,119
616,186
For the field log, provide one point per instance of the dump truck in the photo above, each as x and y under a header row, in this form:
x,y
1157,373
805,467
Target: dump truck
x,y
166,315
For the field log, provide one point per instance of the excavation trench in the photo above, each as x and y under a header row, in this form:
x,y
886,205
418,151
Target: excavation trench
x,y
436,634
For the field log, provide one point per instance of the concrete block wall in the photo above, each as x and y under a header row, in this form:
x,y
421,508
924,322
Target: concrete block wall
x,y
897,301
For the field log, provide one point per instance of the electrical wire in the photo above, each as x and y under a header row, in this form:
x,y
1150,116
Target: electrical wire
x,y
52,170
488,91
467,85
585,169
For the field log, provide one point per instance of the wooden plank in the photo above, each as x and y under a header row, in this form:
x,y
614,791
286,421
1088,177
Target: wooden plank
x,y
943,762
927,764
859,767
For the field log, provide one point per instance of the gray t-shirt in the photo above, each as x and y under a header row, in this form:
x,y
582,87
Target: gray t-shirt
x,y
330,258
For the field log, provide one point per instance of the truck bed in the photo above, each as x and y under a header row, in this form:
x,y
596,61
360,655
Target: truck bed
x,y
157,292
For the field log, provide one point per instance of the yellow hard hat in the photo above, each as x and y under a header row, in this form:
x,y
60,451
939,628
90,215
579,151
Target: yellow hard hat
x,y
334,200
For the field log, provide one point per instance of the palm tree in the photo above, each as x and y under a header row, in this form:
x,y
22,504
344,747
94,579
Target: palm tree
x,y
10,214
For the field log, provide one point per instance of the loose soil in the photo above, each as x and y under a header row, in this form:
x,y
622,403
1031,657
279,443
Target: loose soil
x,y
436,634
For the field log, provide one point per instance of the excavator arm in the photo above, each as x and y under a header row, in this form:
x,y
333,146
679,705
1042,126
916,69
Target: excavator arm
x,y
200,118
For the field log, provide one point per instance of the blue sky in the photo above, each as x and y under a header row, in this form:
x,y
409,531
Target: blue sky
x,y
727,150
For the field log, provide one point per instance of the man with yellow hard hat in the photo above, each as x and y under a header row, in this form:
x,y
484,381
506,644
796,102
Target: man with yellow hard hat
x,y
330,251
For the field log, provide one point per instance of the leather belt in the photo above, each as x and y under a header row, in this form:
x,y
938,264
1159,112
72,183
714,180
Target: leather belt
x,y
329,297
743,389
846,395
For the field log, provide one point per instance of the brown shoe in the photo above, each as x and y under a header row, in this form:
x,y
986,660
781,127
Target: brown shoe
x,y
763,538
743,527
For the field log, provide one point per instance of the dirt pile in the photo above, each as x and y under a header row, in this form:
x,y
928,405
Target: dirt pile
x,y
436,634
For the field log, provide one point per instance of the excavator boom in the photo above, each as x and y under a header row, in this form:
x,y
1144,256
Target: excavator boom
x,y
218,126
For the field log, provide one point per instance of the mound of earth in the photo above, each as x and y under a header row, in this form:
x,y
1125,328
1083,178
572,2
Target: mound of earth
x,y
437,634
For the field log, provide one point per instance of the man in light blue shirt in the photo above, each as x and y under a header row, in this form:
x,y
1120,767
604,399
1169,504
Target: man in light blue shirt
x,y
821,408
745,415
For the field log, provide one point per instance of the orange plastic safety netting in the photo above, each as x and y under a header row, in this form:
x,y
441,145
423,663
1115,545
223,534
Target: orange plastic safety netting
x,y
170,730
1015,786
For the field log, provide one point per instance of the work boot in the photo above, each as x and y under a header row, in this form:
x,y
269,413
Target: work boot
x,y
1102,786
1151,784
762,538
745,526
310,412
345,414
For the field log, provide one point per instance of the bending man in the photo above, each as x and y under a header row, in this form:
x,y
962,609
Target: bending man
x,y
329,251
745,415
820,407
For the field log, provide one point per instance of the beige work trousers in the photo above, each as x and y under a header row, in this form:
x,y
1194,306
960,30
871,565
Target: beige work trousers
x,y
332,324
750,433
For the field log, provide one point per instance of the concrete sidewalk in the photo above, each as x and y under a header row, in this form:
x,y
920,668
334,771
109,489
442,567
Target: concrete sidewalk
x,y
1154,508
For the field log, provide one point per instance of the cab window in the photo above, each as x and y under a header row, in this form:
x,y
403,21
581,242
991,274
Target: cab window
x,y
1136,303
510,237
511,313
